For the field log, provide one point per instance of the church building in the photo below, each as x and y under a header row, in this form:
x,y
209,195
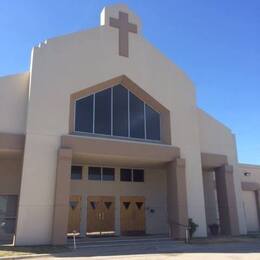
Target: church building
x,y
103,136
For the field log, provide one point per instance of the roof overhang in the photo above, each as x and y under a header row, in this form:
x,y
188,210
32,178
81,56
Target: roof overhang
x,y
120,152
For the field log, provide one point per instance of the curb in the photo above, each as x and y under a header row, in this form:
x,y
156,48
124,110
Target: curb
x,y
207,242
24,256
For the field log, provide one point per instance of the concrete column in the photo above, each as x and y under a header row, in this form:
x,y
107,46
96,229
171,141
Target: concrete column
x,y
209,186
177,198
62,194
117,216
228,215
257,196
83,215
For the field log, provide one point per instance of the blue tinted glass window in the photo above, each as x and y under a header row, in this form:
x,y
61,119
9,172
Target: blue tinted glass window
x,y
8,213
127,116
125,175
120,111
152,124
138,175
136,117
94,173
108,174
103,112
84,115
76,172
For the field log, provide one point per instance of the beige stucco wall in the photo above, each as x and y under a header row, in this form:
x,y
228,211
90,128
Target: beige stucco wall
x,y
250,211
254,171
217,138
13,103
210,196
249,197
153,189
70,63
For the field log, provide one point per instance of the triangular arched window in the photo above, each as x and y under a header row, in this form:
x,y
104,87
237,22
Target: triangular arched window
x,y
117,112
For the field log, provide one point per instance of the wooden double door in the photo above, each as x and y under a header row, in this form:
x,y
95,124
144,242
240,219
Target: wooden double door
x,y
74,214
101,214
132,215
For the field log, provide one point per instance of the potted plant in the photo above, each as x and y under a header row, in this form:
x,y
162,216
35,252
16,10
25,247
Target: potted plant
x,y
214,228
192,227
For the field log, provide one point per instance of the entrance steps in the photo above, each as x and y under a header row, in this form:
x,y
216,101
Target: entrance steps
x,y
120,241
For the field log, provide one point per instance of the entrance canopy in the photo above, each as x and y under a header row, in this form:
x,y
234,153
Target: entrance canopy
x,y
120,152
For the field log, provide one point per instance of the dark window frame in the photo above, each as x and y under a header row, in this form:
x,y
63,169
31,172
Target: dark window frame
x,y
132,179
102,104
113,174
9,218
101,179
124,179
135,174
76,117
71,173
91,174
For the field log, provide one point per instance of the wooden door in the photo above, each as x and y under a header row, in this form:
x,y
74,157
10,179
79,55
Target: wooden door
x,y
74,214
93,214
101,214
132,215
107,214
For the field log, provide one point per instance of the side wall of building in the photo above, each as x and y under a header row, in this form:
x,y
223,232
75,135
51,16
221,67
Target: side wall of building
x,y
13,113
13,103
250,176
253,170
217,139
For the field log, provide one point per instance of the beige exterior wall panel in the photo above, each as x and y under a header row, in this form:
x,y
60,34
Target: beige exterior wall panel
x,y
253,170
251,195
250,207
37,190
13,103
216,138
210,198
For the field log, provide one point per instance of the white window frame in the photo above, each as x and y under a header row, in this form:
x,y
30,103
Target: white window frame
x,y
112,135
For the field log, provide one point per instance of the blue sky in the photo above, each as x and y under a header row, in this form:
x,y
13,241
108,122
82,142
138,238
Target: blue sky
x,y
216,42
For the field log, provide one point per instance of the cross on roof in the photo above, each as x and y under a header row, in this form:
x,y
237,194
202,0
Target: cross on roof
x,y
124,28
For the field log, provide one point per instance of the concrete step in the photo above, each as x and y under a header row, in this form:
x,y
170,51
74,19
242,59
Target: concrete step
x,y
120,241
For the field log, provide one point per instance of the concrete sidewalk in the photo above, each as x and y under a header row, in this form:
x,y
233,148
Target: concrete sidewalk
x,y
168,250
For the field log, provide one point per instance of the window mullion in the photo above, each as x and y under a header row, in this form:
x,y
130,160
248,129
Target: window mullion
x,y
94,112
144,122
128,109
112,110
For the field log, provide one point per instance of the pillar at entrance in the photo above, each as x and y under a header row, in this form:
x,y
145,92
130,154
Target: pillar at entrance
x,y
83,214
62,193
177,198
228,215
257,196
